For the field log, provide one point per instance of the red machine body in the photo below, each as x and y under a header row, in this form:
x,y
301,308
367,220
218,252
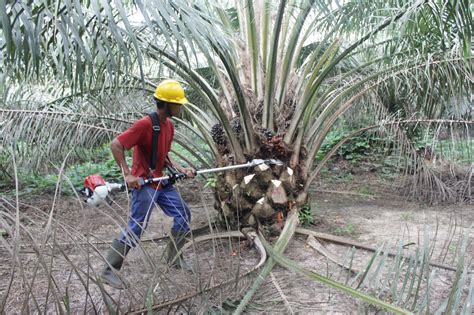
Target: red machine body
x,y
92,181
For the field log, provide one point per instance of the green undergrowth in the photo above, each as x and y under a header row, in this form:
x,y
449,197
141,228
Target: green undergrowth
x,y
370,153
99,161
305,215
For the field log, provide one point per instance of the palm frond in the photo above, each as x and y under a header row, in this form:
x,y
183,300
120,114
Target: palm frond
x,y
267,119
280,259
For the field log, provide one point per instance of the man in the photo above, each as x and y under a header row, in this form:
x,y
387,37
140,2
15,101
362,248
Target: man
x,y
169,97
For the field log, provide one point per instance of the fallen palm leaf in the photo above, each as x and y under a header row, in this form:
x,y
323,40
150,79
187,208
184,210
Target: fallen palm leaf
x,y
282,242
280,291
317,246
188,296
348,242
293,266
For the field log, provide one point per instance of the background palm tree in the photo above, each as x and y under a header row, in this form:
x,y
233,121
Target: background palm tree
x,y
266,79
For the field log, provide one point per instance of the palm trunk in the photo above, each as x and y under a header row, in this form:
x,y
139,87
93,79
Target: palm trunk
x,y
262,195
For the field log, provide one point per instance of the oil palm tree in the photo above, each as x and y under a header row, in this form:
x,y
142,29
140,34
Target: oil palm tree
x,y
269,79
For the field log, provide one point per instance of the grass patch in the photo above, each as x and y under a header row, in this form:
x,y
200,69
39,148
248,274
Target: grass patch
x,y
346,230
366,190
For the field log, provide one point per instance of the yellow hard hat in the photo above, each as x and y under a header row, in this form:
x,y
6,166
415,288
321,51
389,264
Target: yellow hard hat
x,y
170,91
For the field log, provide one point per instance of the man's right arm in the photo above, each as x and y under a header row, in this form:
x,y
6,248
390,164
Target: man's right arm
x,y
118,151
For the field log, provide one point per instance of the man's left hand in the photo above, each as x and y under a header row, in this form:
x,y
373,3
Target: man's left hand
x,y
189,172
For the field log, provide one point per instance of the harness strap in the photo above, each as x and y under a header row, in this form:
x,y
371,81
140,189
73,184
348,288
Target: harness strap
x,y
154,142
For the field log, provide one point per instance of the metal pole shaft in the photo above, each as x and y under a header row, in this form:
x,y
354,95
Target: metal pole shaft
x,y
209,170
225,168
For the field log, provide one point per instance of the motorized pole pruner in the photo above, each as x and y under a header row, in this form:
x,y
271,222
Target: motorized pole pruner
x,y
96,190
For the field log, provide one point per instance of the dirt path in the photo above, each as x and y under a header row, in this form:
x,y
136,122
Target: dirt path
x,y
373,220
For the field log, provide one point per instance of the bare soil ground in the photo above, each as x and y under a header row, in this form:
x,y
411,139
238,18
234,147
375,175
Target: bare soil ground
x,y
68,271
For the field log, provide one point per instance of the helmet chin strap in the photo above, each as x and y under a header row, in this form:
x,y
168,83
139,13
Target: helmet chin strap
x,y
168,111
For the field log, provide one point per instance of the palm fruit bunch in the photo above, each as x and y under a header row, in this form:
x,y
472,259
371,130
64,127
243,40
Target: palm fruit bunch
x,y
279,145
218,135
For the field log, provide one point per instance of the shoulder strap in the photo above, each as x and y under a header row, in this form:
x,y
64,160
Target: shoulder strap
x,y
154,142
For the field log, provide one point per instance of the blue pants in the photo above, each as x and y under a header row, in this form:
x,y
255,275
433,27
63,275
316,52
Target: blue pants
x,y
143,201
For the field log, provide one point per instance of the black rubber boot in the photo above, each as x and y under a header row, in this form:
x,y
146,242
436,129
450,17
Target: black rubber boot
x,y
115,257
175,243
